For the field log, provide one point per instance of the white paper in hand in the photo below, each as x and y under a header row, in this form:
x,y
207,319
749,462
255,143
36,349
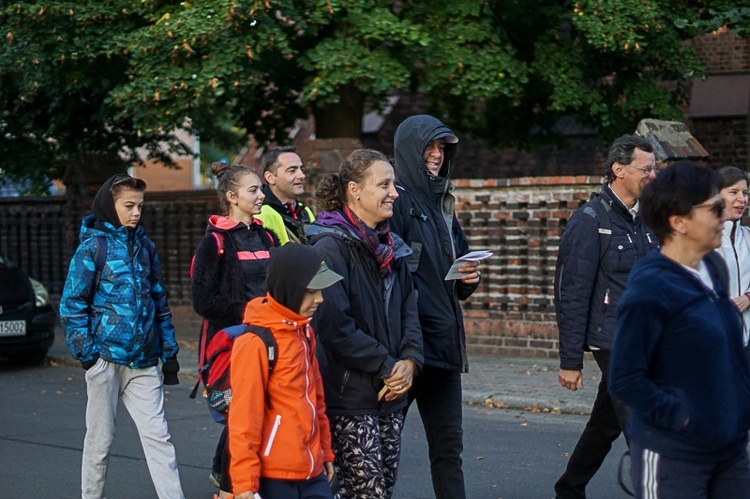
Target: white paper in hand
x,y
472,256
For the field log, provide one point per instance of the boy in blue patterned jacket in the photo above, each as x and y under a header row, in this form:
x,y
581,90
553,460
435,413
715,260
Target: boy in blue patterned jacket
x,y
119,326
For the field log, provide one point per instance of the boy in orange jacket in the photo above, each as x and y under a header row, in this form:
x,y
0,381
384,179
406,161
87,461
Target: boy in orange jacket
x,y
279,437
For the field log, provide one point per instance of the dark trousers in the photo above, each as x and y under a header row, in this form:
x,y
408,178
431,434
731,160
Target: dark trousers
x,y
219,452
438,395
657,476
592,448
314,488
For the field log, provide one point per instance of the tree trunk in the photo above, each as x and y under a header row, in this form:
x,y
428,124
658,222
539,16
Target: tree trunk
x,y
343,119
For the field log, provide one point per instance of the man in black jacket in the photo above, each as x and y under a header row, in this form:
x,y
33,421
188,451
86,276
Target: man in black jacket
x,y
424,217
588,285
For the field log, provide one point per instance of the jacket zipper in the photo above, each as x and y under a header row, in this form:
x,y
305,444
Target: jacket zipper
x,y
272,437
307,397
344,382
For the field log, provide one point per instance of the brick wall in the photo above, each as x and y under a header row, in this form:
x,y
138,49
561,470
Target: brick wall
x,y
722,51
521,221
726,139
511,313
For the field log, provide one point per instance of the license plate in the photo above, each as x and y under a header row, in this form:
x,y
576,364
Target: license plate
x,y
12,328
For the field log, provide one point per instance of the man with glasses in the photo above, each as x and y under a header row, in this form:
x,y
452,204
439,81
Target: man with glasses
x,y
588,284
284,181
678,360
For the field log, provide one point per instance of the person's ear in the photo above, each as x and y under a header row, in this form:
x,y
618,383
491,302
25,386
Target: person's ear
x,y
618,170
231,197
677,223
353,190
269,176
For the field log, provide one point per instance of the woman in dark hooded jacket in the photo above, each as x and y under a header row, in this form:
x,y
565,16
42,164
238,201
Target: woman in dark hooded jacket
x,y
229,266
370,345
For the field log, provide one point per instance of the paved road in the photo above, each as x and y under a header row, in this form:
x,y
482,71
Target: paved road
x,y
509,453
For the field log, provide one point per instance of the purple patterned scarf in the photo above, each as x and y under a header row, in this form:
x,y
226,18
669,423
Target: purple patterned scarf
x,y
379,240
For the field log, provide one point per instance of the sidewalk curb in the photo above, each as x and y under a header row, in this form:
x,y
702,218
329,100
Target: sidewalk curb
x,y
522,384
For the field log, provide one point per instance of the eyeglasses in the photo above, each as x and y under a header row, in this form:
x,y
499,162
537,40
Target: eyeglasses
x,y
645,169
715,206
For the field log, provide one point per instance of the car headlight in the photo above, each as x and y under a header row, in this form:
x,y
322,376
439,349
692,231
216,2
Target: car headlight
x,y
40,292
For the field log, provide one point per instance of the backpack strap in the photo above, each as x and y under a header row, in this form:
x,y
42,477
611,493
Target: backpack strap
x,y
269,340
201,358
599,205
271,349
219,242
100,258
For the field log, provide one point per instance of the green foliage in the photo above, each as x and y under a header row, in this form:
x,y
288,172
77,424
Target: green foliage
x,y
730,16
113,76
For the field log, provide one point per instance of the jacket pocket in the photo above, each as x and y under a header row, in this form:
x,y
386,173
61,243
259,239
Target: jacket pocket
x,y
621,254
272,436
412,260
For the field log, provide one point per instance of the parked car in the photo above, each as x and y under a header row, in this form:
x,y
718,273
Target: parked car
x,y
27,322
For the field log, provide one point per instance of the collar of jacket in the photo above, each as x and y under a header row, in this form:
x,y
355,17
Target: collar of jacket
x,y
223,223
317,230
275,203
264,311
615,203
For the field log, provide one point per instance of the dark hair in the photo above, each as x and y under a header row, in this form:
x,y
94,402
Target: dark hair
x,y
229,180
730,175
623,151
270,160
331,193
674,192
127,183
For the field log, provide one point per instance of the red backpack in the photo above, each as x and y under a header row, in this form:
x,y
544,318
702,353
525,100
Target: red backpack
x,y
215,372
214,358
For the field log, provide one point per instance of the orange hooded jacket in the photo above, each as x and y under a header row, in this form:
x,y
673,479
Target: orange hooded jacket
x,y
291,439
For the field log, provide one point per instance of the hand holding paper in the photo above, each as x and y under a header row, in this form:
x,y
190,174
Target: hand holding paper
x,y
467,259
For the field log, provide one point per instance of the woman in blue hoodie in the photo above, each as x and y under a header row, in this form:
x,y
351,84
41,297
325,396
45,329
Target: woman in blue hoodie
x,y
677,359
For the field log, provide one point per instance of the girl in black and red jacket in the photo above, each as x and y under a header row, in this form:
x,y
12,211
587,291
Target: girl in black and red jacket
x,y
229,265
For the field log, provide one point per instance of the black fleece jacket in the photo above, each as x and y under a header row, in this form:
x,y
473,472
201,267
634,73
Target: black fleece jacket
x,y
223,282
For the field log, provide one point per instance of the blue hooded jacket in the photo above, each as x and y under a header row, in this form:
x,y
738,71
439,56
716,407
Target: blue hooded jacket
x,y
127,321
679,364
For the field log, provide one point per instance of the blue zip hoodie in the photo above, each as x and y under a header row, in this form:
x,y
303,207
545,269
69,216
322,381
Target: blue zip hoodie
x,y
678,362
126,320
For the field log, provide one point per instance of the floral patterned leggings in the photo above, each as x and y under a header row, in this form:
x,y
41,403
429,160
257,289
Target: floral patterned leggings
x,y
367,450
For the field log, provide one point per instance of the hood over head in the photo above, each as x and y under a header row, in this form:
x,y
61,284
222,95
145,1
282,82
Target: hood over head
x,y
409,143
103,207
292,269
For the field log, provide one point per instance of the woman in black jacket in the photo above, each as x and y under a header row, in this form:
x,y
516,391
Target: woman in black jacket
x,y
370,343
229,265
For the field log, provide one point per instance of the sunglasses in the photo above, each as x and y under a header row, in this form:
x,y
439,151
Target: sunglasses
x,y
716,206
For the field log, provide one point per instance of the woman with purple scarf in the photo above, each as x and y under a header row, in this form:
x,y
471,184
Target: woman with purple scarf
x,y
370,342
